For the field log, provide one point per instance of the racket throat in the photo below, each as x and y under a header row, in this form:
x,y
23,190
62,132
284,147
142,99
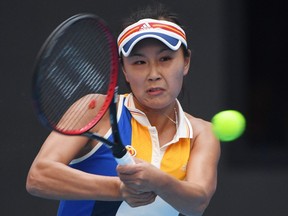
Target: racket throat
x,y
118,151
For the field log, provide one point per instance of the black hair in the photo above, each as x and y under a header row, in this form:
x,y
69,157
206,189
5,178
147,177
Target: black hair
x,y
155,11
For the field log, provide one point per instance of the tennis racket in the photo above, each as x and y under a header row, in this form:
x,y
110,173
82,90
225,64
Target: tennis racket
x,y
75,81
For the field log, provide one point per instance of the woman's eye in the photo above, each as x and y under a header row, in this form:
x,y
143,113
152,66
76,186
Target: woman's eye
x,y
139,62
166,58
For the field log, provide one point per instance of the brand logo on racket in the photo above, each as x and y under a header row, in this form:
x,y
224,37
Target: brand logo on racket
x,y
131,150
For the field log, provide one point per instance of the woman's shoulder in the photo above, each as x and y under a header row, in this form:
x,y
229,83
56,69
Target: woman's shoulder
x,y
198,124
203,135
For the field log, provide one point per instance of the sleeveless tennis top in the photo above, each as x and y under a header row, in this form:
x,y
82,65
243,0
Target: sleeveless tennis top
x,y
141,139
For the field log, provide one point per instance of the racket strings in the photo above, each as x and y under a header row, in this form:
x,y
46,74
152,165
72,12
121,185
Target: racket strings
x,y
90,78
72,121
78,66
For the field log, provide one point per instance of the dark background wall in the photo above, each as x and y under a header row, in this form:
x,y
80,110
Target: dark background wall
x,y
238,62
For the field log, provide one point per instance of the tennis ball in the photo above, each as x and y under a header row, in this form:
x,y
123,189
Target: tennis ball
x,y
228,125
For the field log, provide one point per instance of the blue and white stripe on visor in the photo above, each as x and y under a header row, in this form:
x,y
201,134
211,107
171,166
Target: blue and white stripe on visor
x,y
169,41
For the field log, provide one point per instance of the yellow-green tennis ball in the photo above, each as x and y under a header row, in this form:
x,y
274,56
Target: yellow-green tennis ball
x,y
228,125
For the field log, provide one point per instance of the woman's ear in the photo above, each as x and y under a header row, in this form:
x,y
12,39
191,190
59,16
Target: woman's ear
x,y
125,74
187,59
123,69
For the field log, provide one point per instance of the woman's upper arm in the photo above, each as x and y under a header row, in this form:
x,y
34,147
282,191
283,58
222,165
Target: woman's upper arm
x,y
204,157
61,148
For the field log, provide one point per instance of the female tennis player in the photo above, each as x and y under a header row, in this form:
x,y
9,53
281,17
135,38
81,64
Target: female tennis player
x,y
176,154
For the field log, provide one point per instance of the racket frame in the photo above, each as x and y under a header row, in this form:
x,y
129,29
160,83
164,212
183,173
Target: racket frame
x,y
117,147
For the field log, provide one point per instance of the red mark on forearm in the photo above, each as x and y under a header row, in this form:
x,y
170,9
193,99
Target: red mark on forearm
x,y
92,104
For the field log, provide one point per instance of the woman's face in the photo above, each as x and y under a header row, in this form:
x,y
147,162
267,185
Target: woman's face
x,y
155,73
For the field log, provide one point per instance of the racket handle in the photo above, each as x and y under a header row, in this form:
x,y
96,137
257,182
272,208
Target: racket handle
x,y
126,159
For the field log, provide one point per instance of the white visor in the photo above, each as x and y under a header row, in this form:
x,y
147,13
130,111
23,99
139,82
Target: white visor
x,y
167,32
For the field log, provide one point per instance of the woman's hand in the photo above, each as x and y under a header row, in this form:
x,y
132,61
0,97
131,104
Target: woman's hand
x,y
136,186
136,198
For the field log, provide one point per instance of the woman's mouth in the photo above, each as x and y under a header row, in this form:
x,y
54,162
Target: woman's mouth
x,y
155,91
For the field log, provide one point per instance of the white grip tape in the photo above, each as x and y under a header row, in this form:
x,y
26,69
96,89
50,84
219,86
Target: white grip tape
x,y
126,159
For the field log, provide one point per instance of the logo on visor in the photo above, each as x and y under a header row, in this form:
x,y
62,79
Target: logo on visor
x,y
145,26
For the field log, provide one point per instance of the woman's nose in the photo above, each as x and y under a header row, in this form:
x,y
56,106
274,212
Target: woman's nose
x,y
154,73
